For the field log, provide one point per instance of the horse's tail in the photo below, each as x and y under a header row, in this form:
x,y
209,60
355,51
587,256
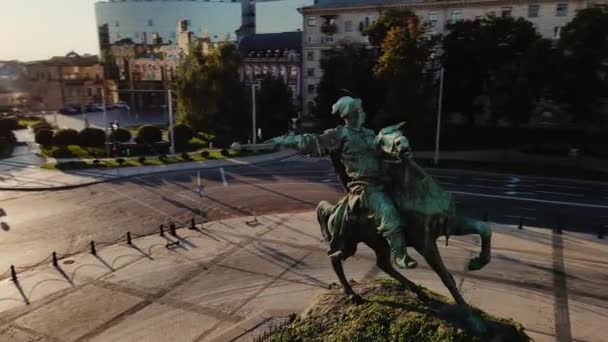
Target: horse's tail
x,y
324,210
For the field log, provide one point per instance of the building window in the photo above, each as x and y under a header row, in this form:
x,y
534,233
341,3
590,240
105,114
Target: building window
x,y
310,72
455,15
561,10
312,21
506,11
150,22
311,88
533,10
557,30
433,17
89,92
348,26
310,56
327,39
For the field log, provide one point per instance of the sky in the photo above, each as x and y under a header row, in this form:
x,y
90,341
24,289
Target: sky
x,y
39,29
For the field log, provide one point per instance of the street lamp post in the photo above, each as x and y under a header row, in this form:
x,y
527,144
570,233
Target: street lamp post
x,y
105,120
170,104
253,128
438,131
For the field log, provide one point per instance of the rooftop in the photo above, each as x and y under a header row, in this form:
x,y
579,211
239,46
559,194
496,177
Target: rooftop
x,y
272,41
71,59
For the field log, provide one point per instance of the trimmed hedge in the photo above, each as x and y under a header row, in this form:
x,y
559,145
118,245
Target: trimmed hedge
x,y
149,135
65,137
44,137
121,135
9,124
183,134
41,125
92,137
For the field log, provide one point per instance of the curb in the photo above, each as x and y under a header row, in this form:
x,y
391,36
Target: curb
x,y
249,324
469,172
98,181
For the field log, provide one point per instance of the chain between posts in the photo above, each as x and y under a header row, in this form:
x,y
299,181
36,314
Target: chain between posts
x,y
54,257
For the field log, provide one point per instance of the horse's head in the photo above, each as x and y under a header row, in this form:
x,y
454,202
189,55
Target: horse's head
x,y
391,141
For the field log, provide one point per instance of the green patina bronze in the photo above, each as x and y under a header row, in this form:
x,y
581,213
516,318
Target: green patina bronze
x,y
391,202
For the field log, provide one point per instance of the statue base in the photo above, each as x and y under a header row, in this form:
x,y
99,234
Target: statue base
x,y
387,312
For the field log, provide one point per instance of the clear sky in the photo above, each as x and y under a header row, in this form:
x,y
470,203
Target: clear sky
x,y
40,29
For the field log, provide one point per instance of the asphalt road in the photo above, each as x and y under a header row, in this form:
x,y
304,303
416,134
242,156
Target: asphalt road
x,y
66,221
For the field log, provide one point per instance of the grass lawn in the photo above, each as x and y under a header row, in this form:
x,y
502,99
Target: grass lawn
x,y
30,122
521,169
76,165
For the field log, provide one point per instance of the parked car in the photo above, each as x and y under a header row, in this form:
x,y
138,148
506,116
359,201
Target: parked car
x,y
122,105
70,111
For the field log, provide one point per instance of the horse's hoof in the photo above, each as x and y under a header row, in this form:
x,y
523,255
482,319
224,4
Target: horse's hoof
x,y
355,298
476,264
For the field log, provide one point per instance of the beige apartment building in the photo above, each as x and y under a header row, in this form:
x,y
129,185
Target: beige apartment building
x,y
330,22
60,82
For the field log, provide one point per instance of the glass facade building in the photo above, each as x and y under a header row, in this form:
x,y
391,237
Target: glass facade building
x,y
143,20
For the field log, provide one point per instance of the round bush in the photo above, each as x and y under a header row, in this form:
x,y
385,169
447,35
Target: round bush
x,y
121,135
41,125
92,137
65,137
183,134
8,124
149,135
186,156
44,137
225,153
120,161
141,159
205,154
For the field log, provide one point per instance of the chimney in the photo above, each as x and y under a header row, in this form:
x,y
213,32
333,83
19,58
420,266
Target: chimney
x,y
247,19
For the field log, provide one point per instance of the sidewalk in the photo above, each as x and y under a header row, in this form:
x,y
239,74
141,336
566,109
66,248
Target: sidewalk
x,y
230,276
24,173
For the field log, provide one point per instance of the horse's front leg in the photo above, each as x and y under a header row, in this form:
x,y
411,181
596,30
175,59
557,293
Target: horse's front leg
x,y
336,264
433,258
468,226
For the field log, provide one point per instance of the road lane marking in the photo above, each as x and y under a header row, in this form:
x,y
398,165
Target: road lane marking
x,y
224,182
574,204
448,183
523,217
140,202
559,193
519,186
531,209
560,186
488,187
489,180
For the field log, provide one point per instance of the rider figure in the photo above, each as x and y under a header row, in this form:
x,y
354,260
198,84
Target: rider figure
x,y
354,145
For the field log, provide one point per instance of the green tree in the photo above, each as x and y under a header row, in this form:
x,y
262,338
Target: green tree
x,y
350,67
210,97
584,42
274,107
501,58
404,46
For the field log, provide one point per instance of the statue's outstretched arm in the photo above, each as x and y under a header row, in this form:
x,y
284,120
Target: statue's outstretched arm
x,y
311,144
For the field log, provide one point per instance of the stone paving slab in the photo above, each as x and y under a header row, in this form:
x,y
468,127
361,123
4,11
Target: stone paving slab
x,y
78,313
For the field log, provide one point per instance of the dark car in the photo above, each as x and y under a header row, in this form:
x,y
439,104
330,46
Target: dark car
x,y
70,111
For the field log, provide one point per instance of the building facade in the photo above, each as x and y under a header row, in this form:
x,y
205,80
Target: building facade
x,y
330,22
278,55
60,82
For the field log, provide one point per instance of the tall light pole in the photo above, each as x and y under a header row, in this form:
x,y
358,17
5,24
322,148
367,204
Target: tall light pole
x,y
171,121
438,132
105,119
253,128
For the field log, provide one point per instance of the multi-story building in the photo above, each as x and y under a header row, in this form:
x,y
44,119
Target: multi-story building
x,y
59,82
330,22
278,55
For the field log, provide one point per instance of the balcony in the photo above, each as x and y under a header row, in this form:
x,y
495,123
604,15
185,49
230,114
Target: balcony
x,y
329,29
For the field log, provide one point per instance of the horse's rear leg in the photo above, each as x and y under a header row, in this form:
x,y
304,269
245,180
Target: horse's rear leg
x,y
383,261
467,226
433,258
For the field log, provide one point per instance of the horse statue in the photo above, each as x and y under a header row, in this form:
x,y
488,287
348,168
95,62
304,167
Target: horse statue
x,y
427,211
